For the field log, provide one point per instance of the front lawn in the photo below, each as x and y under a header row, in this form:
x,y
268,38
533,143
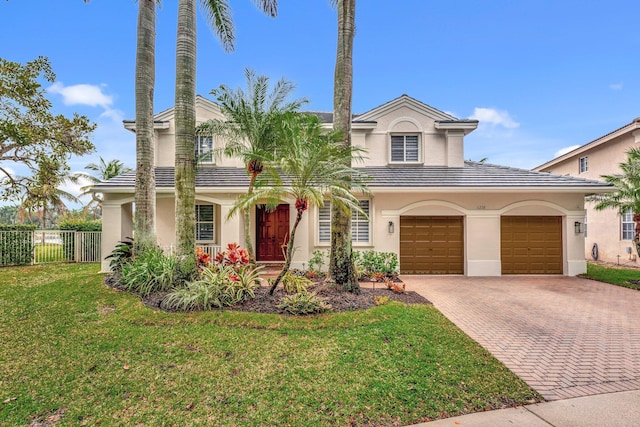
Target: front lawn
x,y
616,276
76,352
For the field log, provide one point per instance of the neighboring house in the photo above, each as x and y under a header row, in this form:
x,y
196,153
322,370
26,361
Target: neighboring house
x,y
609,236
439,213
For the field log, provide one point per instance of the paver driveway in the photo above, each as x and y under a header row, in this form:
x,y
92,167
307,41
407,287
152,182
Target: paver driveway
x,y
565,336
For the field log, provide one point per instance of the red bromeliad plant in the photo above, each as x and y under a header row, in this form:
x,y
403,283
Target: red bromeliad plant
x,y
234,256
203,258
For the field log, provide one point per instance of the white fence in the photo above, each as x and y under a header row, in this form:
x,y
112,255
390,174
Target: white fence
x,y
48,246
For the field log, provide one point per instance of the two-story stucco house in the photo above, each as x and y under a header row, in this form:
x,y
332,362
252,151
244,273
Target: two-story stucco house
x,y
609,236
439,213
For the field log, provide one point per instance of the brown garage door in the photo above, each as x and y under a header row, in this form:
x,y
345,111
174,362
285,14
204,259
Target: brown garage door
x,y
531,244
431,245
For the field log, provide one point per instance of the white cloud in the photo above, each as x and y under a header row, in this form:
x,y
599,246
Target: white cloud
x,y
82,94
565,150
493,117
616,86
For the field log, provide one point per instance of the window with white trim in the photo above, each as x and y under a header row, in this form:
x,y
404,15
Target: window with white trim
x,y
204,149
205,215
628,226
405,148
583,164
360,225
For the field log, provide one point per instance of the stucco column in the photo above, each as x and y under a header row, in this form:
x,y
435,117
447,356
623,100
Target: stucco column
x,y
230,228
482,243
117,223
575,262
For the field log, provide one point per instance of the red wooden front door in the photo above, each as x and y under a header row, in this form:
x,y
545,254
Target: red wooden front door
x,y
272,232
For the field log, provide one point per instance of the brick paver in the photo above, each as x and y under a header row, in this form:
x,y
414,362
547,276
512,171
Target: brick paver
x,y
565,336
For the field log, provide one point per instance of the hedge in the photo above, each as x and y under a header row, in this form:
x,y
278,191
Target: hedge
x,y
16,244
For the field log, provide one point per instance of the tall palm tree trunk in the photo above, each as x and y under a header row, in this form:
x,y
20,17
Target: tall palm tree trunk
x,y
185,117
246,213
145,190
341,268
636,237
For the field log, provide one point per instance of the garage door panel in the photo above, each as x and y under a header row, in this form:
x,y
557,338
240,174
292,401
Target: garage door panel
x,y
531,245
431,245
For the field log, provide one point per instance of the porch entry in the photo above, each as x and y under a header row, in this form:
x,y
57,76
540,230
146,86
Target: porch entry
x,y
272,232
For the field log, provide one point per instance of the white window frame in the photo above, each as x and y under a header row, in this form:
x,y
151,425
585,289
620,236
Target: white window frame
x,y
627,226
199,222
323,237
201,150
418,159
583,164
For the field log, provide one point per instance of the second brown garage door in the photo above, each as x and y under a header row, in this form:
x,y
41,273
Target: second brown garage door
x,y
531,244
431,245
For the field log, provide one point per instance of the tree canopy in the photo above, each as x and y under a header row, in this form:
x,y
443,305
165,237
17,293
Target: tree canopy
x,y
30,134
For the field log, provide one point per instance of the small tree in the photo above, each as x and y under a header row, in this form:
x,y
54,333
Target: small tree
x,y
626,197
314,170
30,135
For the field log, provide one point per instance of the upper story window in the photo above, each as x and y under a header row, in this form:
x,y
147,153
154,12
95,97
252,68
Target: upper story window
x,y
405,148
584,164
628,226
205,223
360,225
204,149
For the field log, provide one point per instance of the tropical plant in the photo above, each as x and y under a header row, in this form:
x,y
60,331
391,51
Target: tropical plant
x,y
341,265
121,255
218,286
304,303
102,171
314,167
626,195
371,262
218,14
151,271
234,256
250,128
294,284
46,195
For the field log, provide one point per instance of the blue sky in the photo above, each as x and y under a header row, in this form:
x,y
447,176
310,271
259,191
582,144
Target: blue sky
x,y
540,75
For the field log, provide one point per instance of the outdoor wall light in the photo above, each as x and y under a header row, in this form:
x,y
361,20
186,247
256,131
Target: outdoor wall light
x,y
578,227
390,227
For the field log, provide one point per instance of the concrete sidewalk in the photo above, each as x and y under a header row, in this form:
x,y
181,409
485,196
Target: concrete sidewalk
x,y
620,409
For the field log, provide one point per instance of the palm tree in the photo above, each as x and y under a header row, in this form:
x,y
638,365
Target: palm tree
x,y
45,195
218,14
250,129
145,189
314,169
103,171
341,264
626,197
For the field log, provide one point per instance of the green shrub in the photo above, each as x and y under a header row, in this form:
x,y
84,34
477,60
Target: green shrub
x,y
16,244
295,284
218,286
304,303
317,260
369,262
151,271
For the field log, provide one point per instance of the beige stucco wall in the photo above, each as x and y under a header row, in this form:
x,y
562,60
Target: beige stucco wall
x,y
604,228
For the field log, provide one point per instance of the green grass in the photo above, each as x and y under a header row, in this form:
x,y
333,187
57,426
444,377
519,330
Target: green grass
x,y
615,276
72,348
49,252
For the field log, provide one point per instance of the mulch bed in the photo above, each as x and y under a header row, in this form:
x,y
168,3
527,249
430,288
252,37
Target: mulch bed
x,y
265,303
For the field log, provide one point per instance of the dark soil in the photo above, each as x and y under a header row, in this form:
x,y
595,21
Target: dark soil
x,y
265,303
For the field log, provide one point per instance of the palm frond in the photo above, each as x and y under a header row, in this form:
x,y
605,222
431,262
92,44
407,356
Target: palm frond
x,y
218,15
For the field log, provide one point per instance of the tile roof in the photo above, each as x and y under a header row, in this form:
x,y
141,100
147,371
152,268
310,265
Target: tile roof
x,y
472,175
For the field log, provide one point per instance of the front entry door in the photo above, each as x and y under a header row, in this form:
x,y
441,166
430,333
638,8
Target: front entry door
x,y
272,232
